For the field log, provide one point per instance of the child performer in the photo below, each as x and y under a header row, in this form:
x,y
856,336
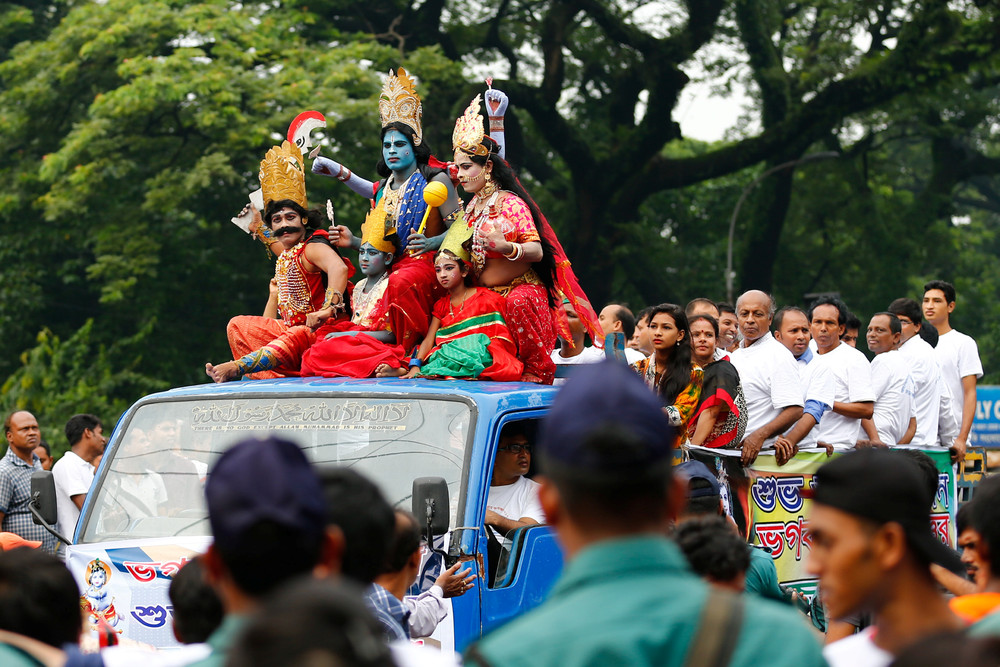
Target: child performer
x,y
468,336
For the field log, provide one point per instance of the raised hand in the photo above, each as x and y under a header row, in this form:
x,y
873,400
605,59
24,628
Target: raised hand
x,y
496,103
341,236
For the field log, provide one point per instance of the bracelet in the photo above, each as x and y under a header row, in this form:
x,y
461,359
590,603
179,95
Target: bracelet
x,y
265,236
344,174
516,252
334,299
496,124
416,363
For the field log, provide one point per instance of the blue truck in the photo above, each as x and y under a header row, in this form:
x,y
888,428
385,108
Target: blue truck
x,y
145,514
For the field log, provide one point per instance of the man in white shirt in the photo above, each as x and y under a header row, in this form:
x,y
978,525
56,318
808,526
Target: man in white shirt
x,y
791,329
854,396
573,352
931,401
769,377
958,357
893,422
513,498
616,318
73,473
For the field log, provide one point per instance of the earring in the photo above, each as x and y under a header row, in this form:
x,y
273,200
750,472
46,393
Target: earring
x,y
488,177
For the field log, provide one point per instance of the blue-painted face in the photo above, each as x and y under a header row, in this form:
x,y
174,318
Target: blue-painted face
x,y
397,151
372,261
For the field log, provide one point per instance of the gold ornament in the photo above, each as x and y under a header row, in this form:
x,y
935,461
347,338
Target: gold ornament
x,y
399,103
374,231
468,134
282,175
459,238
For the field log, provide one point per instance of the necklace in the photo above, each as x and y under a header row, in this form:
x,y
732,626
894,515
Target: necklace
x,y
392,197
461,307
364,301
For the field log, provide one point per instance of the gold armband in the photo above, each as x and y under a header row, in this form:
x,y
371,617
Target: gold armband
x,y
264,235
334,299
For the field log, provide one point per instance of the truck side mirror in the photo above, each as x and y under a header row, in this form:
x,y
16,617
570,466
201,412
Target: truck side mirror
x,y
430,506
43,497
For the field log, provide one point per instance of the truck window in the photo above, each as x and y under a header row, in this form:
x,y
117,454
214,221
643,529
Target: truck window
x,y
512,499
153,484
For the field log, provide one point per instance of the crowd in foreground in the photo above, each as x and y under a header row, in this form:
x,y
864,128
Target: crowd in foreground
x,y
312,566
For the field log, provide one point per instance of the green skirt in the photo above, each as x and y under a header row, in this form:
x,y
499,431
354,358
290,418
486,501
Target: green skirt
x,y
466,357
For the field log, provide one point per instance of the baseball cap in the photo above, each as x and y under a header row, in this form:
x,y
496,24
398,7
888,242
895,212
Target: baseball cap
x,y
607,397
691,470
882,486
10,541
263,480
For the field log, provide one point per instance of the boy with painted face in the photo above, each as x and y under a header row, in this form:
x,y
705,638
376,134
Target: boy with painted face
x,y
357,347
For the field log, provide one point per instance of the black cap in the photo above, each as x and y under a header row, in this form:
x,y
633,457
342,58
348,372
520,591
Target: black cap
x,y
882,486
263,480
606,397
691,470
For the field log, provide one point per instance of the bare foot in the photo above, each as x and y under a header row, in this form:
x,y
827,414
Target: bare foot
x,y
387,371
221,373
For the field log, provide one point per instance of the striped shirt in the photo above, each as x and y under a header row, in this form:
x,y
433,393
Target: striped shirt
x,y
15,493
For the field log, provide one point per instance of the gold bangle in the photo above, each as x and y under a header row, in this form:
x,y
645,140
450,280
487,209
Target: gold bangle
x,y
334,300
516,252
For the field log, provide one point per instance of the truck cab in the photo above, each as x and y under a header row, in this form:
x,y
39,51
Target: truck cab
x,y
145,515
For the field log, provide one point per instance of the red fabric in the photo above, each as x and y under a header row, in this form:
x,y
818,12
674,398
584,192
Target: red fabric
x,y
248,333
531,324
350,356
506,367
413,288
721,397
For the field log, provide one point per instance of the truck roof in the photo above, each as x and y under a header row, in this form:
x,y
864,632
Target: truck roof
x,y
506,395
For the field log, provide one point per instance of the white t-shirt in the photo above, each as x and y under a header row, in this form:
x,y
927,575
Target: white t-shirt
x,y
958,357
516,501
72,476
857,651
590,355
852,384
632,356
770,380
893,396
928,388
817,385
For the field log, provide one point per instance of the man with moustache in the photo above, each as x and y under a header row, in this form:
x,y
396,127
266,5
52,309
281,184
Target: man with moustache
x,y
23,435
893,421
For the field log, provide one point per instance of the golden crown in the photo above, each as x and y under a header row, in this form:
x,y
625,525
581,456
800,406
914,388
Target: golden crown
x,y
399,103
468,134
373,231
459,238
282,175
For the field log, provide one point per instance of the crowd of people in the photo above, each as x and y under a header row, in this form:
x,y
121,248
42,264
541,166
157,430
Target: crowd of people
x,y
313,566
658,570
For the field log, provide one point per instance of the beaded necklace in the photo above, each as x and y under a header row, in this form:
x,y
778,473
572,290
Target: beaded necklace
x,y
294,297
476,219
363,301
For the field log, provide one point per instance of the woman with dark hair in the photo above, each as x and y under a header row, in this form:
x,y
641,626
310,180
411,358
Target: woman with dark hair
x,y
670,371
406,167
720,418
514,251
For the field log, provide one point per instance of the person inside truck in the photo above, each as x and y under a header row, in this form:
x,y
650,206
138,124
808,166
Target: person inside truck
x,y
512,502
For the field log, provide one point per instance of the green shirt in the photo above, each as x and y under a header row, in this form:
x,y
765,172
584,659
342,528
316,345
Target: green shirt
x,y
987,626
762,577
221,640
635,602
12,657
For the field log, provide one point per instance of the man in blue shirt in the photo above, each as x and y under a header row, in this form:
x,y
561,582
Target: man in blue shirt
x,y
626,595
399,571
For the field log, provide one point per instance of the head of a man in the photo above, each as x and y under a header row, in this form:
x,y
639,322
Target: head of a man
x,y
365,520
197,609
576,328
728,325
701,306
403,557
715,552
605,450
265,506
976,569
754,310
870,528
39,597
85,435
827,320
513,458
702,493
44,454
884,333
640,339
791,329
22,432
615,318
939,301
851,330
984,519
910,317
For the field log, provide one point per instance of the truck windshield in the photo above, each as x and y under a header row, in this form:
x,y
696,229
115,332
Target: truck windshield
x,y
153,486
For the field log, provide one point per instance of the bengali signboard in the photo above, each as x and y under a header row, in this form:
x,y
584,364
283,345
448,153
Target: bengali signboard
x,y
779,515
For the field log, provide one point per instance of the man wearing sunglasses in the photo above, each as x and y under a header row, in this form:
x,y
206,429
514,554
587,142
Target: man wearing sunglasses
x,y
513,499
